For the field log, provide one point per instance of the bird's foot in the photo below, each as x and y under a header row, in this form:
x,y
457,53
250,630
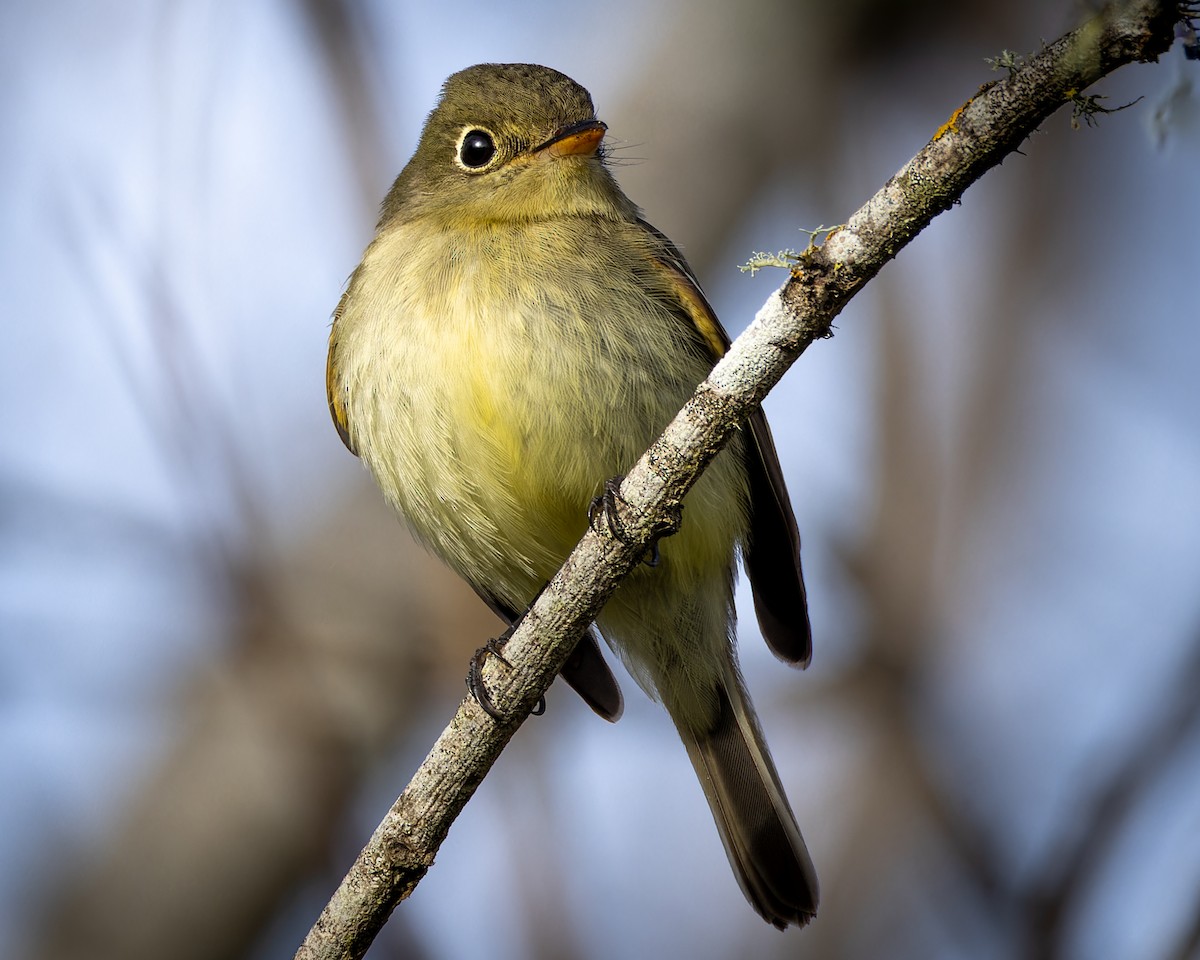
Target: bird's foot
x,y
476,686
606,507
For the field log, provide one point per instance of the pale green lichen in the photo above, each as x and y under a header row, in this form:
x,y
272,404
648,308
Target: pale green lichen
x,y
1008,60
787,258
760,260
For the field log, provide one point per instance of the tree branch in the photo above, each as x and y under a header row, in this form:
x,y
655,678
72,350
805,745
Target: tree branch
x,y
978,135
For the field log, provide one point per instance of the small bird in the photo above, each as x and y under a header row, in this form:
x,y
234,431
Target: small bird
x,y
516,335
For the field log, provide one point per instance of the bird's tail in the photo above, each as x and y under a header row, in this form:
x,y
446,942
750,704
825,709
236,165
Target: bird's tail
x,y
756,824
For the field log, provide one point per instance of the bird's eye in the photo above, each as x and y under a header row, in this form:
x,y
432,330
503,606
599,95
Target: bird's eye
x,y
476,149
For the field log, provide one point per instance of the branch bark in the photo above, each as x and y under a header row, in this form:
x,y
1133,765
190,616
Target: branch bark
x,y
978,135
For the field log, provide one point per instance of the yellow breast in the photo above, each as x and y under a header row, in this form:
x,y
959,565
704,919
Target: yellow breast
x,y
492,393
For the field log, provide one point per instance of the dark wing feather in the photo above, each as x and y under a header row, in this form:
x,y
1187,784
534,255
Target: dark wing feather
x,y
333,382
773,552
772,555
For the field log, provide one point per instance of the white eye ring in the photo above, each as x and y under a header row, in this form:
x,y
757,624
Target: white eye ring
x,y
476,149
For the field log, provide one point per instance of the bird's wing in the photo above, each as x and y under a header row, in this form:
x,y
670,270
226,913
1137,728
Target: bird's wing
x,y
334,390
772,555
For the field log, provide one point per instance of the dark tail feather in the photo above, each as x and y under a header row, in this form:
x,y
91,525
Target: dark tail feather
x,y
756,824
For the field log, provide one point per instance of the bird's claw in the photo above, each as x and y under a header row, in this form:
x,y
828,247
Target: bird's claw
x,y
605,506
478,689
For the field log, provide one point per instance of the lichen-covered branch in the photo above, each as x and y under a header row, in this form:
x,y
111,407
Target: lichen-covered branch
x,y
977,136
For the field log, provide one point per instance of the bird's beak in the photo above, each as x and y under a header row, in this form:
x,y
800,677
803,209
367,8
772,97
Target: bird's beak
x,y
578,140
